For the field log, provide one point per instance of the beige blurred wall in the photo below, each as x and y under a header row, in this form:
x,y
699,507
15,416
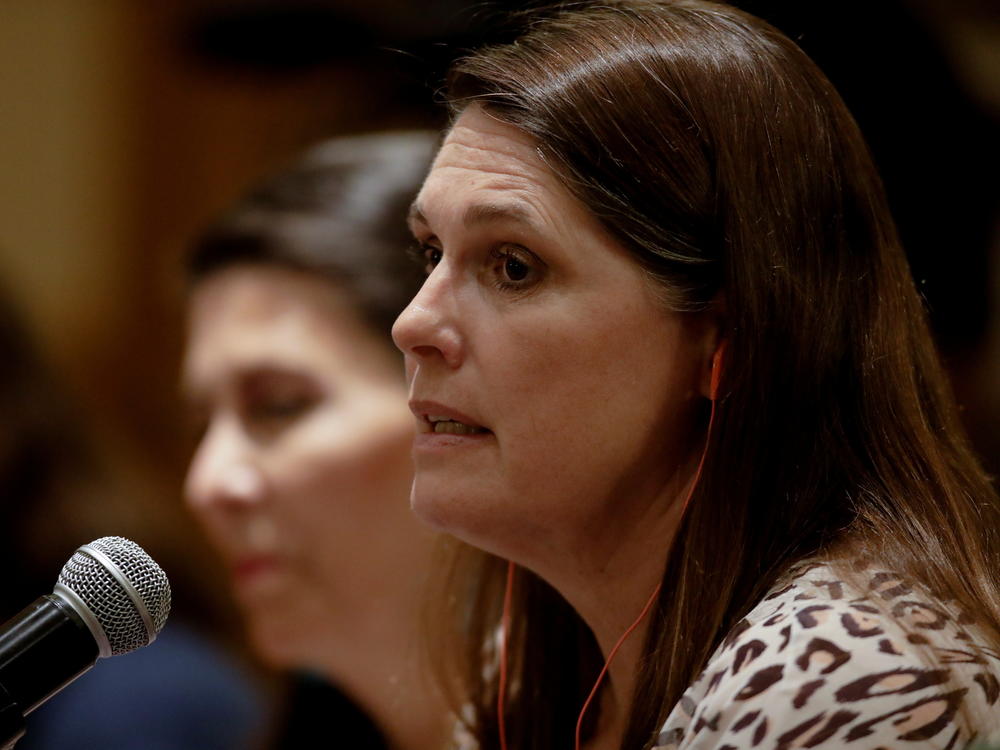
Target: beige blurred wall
x,y
63,176
116,146
68,146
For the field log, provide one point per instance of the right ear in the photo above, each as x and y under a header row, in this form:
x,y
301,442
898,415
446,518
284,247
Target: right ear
x,y
715,342
717,363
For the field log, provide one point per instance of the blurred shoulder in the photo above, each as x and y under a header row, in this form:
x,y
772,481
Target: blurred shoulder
x,y
182,691
823,661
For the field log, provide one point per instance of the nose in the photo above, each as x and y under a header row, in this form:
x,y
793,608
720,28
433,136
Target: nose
x,y
427,330
223,472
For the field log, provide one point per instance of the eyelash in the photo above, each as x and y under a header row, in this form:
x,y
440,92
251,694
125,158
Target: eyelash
x,y
504,255
420,253
428,256
275,409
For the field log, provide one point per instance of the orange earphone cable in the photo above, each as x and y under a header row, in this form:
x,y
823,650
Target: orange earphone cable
x,y
505,620
607,664
656,591
504,634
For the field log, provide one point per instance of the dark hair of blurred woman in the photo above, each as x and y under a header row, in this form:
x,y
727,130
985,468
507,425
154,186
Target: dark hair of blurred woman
x,y
334,212
302,470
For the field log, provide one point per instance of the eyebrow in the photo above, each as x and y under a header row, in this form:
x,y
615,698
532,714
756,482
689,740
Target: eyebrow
x,y
253,369
485,213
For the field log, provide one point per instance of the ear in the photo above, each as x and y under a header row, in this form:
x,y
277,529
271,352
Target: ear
x,y
714,350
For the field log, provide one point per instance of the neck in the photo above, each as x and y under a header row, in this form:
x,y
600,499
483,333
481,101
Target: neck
x,y
611,586
376,662
620,621
611,721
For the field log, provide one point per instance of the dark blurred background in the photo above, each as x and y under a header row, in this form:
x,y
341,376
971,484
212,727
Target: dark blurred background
x,y
125,126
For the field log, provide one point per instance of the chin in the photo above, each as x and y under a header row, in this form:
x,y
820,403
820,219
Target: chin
x,y
467,516
431,510
273,651
444,508
280,641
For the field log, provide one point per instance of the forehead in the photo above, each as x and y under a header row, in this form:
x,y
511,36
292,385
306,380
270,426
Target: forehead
x,y
482,152
479,141
248,316
262,297
496,168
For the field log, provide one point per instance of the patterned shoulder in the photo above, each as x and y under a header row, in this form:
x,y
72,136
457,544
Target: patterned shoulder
x,y
821,663
461,738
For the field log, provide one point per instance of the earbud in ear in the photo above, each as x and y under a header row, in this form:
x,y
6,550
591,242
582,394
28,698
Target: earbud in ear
x,y
713,389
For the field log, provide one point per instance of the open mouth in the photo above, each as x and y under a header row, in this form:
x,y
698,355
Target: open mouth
x,y
446,426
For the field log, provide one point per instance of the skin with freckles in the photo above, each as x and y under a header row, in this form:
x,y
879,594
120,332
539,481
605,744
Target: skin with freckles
x,y
301,476
539,330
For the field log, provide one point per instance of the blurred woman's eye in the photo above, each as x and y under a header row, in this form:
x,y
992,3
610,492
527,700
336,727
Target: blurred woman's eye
x,y
515,268
272,401
279,408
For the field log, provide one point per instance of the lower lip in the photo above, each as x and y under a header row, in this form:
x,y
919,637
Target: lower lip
x,y
429,441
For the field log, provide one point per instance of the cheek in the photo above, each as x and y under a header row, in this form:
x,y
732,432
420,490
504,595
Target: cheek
x,y
584,412
218,517
588,378
219,529
342,471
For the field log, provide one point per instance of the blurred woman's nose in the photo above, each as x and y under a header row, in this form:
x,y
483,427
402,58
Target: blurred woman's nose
x,y
224,470
427,329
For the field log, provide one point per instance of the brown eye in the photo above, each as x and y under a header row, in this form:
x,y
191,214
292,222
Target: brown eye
x,y
514,269
426,256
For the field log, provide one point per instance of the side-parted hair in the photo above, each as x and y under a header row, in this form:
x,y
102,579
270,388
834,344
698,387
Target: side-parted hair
x,y
717,153
339,212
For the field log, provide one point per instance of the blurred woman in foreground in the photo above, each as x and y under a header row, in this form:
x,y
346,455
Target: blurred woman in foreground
x,y
302,473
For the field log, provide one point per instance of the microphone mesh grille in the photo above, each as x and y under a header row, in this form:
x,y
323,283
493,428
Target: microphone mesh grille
x,y
109,601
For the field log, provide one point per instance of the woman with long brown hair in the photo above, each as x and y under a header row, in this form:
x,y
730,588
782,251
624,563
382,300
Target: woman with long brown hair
x,y
676,397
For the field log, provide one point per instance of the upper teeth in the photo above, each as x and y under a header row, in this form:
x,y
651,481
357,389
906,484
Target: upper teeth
x,y
451,426
454,428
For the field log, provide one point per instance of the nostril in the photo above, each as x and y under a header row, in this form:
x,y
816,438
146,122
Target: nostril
x,y
423,351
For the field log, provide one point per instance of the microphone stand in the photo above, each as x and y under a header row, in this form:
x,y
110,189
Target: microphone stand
x,y
12,723
29,674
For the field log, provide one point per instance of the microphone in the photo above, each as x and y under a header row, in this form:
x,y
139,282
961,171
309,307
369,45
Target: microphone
x,y
110,598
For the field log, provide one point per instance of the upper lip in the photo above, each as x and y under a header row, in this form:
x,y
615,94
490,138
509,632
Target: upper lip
x,y
424,410
249,561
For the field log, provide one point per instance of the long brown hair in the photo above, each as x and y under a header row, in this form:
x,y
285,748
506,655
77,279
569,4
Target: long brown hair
x,y
717,153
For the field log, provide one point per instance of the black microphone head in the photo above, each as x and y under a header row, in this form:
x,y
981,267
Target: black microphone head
x,y
119,591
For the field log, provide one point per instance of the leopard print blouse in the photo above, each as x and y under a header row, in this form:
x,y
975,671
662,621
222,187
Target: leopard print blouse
x,y
820,664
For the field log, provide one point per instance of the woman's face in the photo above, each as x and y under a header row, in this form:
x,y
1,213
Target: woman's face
x,y
555,397
302,472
